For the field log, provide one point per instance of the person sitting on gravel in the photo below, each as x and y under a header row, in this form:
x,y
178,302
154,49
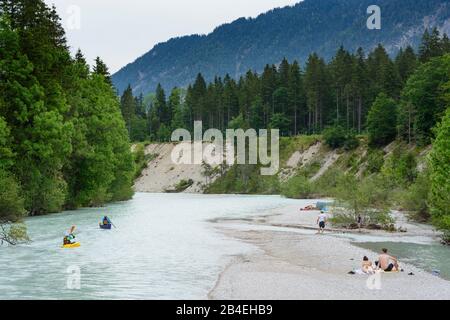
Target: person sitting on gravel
x,y
367,266
384,262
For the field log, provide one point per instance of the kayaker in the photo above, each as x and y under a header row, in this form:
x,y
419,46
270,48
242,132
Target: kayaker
x,y
69,238
106,220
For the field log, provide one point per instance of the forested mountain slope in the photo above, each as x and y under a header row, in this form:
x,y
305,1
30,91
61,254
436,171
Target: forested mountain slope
x,y
293,32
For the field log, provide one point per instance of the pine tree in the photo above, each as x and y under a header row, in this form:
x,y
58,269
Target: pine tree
x,y
445,43
340,70
268,87
176,107
296,97
406,63
383,74
316,85
284,73
198,97
430,46
101,69
230,99
161,105
81,65
128,107
360,82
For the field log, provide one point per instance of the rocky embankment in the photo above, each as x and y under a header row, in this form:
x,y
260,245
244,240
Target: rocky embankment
x,y
315,158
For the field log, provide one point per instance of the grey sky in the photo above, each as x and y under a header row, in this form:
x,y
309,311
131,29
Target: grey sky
x,y
119,31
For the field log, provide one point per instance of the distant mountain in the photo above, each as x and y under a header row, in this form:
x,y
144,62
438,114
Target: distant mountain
x,y
292,32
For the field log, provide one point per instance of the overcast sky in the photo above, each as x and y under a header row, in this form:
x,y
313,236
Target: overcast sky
x,y
119,31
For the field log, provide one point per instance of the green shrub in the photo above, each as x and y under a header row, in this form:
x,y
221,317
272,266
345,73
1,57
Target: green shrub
x,y
183,185
400,168
11,210
368,197
141,159
326,185
375,160
335,137
298,187
310,169
351,142
415,198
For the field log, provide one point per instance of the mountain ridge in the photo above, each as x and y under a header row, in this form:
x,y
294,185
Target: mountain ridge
x,y
293,32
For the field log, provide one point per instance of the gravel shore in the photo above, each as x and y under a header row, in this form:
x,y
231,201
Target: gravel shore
x,y
292,262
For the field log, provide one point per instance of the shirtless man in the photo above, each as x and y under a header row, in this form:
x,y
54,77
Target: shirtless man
x,y
384,262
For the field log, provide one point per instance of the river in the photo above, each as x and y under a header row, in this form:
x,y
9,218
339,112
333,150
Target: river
x,y
164,247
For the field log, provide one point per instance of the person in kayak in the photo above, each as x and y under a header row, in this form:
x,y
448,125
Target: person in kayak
x,y
69,238
106,221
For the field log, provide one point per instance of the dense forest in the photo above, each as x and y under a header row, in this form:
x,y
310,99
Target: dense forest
x,y
352,98
354,93
293,32
63,141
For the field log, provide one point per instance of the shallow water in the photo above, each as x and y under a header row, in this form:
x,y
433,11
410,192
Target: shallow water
x,y
429,257
164,247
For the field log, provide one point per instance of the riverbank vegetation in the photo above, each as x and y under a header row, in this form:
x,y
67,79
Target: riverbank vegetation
x,y
63,140
64,133
359,105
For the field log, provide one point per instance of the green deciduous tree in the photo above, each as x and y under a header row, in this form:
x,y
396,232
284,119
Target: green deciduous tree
x,y
439,161
382,120
63,141
422,106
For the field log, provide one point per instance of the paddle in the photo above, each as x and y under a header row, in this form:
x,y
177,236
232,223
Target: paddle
x,y
112,223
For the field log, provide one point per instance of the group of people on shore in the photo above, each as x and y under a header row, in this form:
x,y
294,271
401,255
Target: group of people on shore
x,y
385,262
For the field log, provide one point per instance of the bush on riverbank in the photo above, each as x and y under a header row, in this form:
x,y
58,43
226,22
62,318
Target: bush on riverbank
x,y
11,210
414,199
183,185
244,179
365,197
141,159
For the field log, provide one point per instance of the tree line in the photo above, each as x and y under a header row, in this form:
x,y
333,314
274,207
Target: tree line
x,y
63,141
304,100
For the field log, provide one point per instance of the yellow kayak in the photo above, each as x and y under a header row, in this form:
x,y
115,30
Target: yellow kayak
x,y
73,245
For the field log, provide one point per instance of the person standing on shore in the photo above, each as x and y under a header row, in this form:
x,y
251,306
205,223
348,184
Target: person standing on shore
x,y
321,221
359,222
